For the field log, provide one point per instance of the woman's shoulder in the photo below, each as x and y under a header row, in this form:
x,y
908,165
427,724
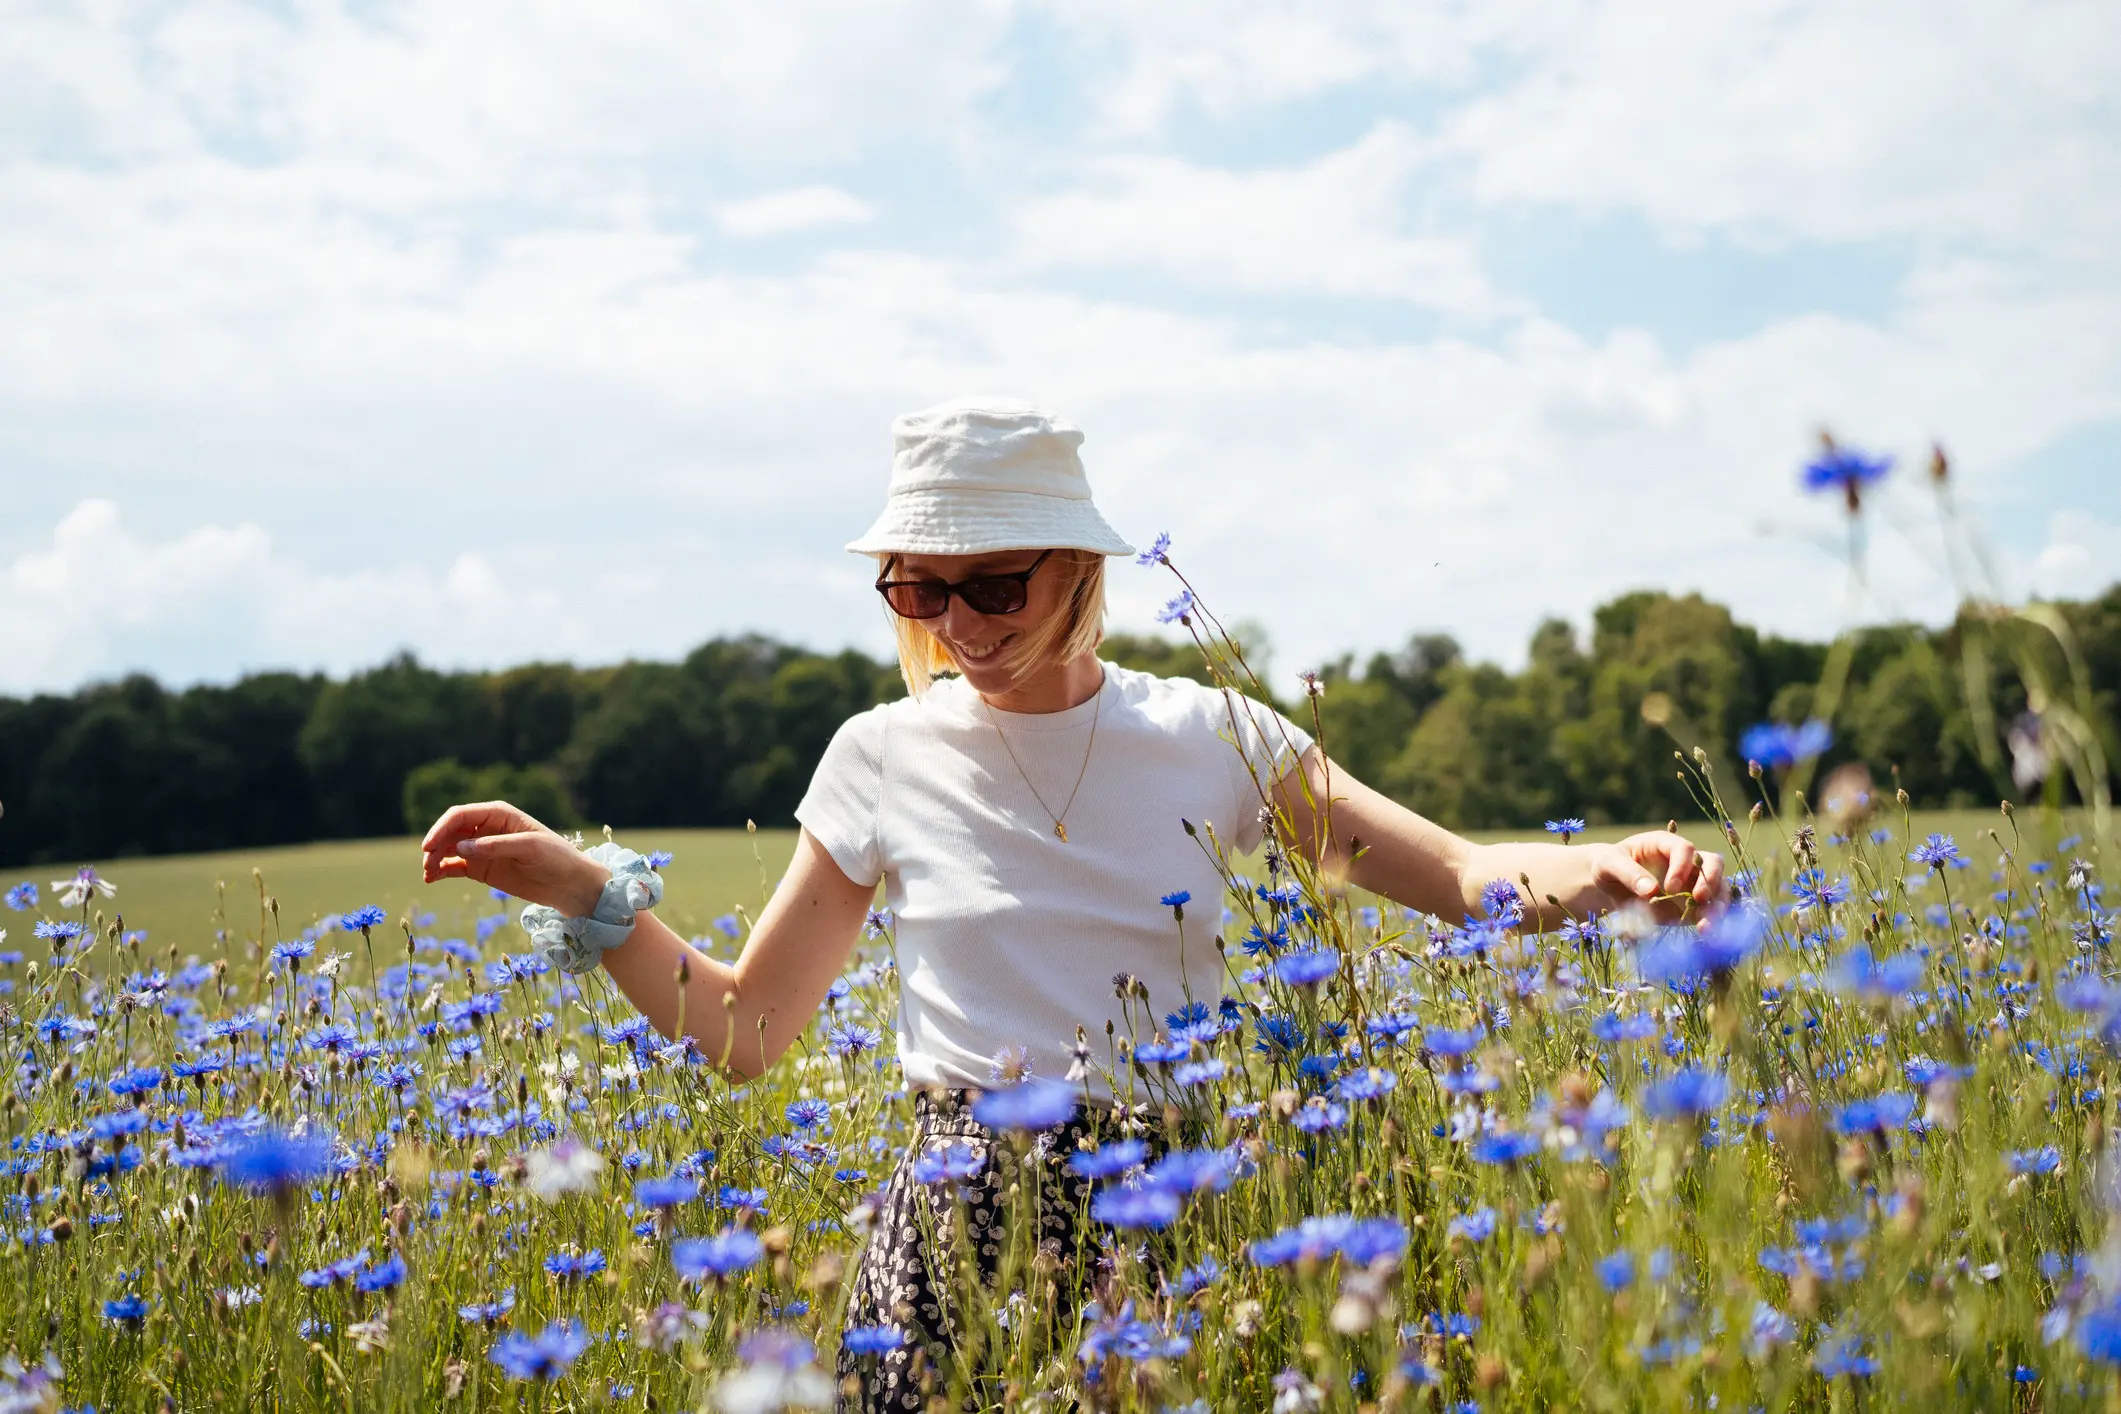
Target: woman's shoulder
x,y
1172,700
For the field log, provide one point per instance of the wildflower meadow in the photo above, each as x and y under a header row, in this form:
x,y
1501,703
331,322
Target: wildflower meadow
x,y
1844,1143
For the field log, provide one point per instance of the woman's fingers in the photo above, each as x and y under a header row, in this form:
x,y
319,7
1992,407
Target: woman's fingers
x,y
482,857
1679,860
486,817
1622,875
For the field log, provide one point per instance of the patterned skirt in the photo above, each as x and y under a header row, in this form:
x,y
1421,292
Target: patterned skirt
x,y
926,1231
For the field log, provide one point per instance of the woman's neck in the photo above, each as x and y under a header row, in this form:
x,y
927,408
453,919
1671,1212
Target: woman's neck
x,y
1054,688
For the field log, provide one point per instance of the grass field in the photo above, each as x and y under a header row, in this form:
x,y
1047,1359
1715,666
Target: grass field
x,y
186,900
1841,1150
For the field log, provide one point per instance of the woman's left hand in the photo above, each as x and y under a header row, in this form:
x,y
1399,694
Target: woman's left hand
x,y
1662,869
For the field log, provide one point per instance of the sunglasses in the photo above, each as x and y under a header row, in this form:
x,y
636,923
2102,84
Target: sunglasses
x,y
983,594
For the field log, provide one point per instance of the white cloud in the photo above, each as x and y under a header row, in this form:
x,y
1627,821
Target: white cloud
x,y
1332,227
2079,558
799,209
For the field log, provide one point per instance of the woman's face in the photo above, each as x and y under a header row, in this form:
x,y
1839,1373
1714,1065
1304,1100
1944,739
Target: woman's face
x,y
979,642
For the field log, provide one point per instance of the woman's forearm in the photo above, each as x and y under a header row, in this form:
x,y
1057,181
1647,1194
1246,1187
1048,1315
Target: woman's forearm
x,y
646,970
744,1016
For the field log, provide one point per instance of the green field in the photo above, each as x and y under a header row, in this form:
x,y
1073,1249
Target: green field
x,y
178,900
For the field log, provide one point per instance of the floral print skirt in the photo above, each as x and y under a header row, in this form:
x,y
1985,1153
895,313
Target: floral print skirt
x,y
948,1208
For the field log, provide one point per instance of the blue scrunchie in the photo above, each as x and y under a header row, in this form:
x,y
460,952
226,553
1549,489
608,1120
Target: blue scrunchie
x,y
577,945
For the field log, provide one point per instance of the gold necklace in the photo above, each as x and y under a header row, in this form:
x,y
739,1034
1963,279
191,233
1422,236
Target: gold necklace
x,y
1060,829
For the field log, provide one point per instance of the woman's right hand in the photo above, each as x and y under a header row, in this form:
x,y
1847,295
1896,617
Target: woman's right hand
x,y
504,848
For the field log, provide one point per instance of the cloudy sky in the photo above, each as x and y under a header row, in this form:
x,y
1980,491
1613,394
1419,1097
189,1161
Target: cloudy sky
x,y
511,329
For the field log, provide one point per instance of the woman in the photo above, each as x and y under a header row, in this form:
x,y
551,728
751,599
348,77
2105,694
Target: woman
x,y
1025,819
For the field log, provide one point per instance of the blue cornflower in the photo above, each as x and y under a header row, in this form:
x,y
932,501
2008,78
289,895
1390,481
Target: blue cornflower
x,y
1881,1112
1177,902
271,1161
1476,1226
332,1273
728,926
953,1163
1839,1355
1813,889
808,1114
136,1082
1190,1171
383,1275
2099,1332
1504,1147
1568,829
574,1266
1307,968
1882,979
1443,1041
1162,1052
128,1310
293,951
1685,1094
362,919
1779,746
872,1340
61,932
660,858
1205,1072
1123,1336
853,1039
1937,852
1843,469
1033,1105
732,1251
1178,611
666,1192
542,1357
22,896
1500,901
1318,1115
1615,1029
1616,1272
1135,1207
1110,1160
2045,1159
1277,1034
1158,551
488,1313
1369,1083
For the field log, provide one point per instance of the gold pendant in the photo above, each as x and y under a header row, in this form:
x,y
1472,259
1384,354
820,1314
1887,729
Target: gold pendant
x,y
1061,831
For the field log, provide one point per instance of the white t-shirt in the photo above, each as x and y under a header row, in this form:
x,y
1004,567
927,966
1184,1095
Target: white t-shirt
x,y
1007,936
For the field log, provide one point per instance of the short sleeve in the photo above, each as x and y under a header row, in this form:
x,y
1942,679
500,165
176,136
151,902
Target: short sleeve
x,y
841,808
1269,746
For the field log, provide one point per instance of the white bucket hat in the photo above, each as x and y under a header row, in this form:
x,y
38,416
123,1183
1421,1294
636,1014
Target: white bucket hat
x,y
980,474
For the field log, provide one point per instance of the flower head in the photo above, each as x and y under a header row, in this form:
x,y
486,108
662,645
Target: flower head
x,y
1033,1105
545,1356
1178,611
697,1258
1568,829
1843,469
1158,552
272,1161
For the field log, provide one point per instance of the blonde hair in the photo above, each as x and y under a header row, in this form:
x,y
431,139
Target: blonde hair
x,y
1076,628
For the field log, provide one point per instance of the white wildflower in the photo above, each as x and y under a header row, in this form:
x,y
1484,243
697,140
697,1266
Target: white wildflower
x,y
567,1167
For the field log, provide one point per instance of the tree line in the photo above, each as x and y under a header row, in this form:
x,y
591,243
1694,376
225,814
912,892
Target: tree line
x,y
732,732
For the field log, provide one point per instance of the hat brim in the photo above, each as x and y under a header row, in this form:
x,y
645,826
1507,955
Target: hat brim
x,y
965,521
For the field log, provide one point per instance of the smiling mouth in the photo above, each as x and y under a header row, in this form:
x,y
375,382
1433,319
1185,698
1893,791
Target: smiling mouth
x,y
982,655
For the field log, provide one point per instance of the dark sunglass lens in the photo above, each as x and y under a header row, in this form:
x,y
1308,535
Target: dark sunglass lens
x,y
993,596
917,601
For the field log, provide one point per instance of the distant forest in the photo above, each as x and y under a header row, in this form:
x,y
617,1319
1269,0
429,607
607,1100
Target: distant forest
x,y
732,732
